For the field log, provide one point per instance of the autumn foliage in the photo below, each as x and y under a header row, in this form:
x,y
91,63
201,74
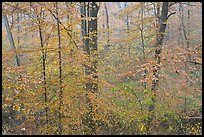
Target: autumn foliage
x,y
60,54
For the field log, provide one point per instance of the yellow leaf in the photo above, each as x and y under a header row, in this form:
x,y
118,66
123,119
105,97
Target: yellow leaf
x,y
142,128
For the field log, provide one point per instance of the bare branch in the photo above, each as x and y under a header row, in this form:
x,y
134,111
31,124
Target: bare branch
x,y
171,14
22,10
194,62
64,28
172,3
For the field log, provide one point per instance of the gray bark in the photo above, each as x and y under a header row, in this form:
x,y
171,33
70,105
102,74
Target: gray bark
x,y
142,40
60,127
11,40
40,30
127,27
89,29
160,36
107,23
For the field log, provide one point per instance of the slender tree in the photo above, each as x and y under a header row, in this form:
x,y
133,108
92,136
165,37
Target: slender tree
x,y
127,27
40,30
156,68
60,128
90,47
107,24
142,40
11,40
162,27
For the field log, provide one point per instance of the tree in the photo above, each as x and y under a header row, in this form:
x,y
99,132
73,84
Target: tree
x,y
107,23
43,51
142,39
89,29
60,73
160,36
10,38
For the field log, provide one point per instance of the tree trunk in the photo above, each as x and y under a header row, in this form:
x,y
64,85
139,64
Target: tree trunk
x,y
18,27
11,40
107,23
43,65
180,25
160,37
162,27
90,47
186,33
15,59
60,128
127,28
93,86
142,41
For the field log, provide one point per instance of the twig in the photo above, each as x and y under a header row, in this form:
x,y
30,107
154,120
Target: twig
x,y
196,63
171,14
23,10
64,28
194,117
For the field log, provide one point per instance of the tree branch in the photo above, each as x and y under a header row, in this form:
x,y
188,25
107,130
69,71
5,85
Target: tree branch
x,y
172,3
194,62
170,15
22,10
64,28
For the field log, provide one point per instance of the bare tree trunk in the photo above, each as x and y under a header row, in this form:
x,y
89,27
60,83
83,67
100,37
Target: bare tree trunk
x,y
142,40
11,40
93,44
168,30
127,28
103,22
84,31
15,59
180,25
93,87
186,34
90,47
18,27
107,23
188,26
160,36
68,17
83,22
60,127
43,65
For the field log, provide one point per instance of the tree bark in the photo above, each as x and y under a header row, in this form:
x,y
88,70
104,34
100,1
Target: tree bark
x,y
60,128
127,28
18,27
43,64
142,41
93,86
162,27
156,67
11,40
90,48
107,23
